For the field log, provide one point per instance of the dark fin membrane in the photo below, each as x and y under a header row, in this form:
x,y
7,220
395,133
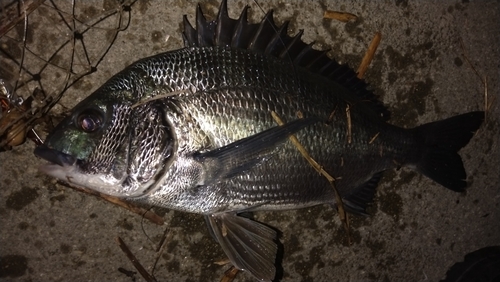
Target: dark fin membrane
x,y
481,265
440,142
357,201
250,245
268,38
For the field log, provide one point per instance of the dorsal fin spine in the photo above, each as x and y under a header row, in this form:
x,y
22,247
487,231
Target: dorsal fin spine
x,y
224,28
295,39
189,34
260,35
318,58
272,40
242,26
303,52
277,39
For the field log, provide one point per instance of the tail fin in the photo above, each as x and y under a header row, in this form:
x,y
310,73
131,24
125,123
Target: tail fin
x,y
441,140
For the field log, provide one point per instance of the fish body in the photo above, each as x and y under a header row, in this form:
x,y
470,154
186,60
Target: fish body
x,y
192,130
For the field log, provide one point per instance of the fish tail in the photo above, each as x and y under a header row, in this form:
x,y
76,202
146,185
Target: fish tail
x,y
440,142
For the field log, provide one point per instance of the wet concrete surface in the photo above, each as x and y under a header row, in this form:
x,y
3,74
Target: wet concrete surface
x,y
422,71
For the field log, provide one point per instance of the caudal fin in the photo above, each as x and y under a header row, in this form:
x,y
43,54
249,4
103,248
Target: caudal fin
x,y
441,141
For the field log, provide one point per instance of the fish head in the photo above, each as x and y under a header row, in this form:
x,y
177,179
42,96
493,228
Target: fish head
x,y
110,145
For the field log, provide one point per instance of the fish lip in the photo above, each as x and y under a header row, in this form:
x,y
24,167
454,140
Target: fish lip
x,y
55,156
68,168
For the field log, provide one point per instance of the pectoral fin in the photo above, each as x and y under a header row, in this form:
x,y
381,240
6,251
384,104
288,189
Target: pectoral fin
x,y
239,156
249,245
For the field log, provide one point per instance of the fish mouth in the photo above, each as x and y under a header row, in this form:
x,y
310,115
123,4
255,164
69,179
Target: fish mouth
x,y
67,168
55,156
61,165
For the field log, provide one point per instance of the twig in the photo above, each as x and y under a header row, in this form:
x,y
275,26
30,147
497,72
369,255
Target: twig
x,y
483,80
134,261
339,16
222,262
373,138
159,251
229,274
151,216
16,13
303,151
486,104
367,59
157,97
349,125
332,115
319,168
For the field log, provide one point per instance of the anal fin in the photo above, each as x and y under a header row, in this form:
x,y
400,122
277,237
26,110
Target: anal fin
x,y
357,201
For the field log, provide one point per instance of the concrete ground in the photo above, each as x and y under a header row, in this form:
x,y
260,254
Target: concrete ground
x,y
422,71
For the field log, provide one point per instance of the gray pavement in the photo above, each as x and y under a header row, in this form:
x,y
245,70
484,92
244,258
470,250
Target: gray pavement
x,y
49,232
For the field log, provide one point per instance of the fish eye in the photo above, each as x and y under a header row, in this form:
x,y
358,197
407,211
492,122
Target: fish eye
x,y
89,121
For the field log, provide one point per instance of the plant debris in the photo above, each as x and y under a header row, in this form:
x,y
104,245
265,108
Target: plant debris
x,y
339,16
370,53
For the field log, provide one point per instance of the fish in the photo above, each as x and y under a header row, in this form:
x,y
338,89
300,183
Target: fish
x,y
192,130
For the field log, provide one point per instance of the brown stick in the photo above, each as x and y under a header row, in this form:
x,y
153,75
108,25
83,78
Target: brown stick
x,y
151,216
483,80
303,151
161,247
134,261
349,125
373,138
367,59
339,16
16,13
319,168
229,274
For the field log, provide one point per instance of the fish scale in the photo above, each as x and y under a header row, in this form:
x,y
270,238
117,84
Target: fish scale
x,y
192,130
224,123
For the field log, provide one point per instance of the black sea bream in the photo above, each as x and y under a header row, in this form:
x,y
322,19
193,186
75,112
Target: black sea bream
x,y
192,130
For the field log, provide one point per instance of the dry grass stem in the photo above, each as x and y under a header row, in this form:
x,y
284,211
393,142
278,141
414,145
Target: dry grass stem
x,y
167,237
373,138
230,274
303,151
340,16
331,116
134,261
157,97
491,101
149,215
319,168
349,125
222,262
15,13
483,80
370,53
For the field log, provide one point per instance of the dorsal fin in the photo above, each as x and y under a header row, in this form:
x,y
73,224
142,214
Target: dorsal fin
x,y
268,38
